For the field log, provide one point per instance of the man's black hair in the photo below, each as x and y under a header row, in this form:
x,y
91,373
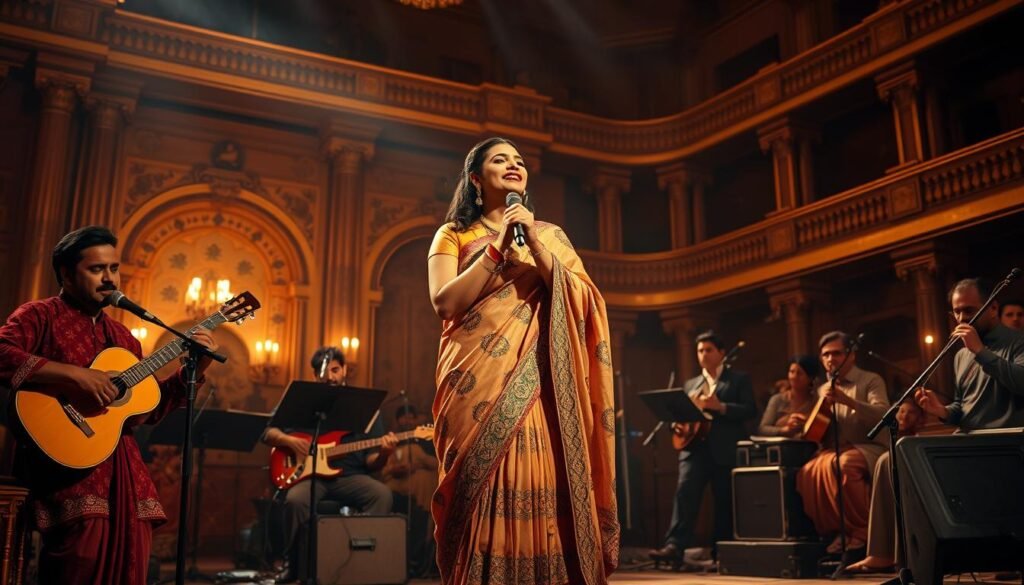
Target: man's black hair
x,y
68,251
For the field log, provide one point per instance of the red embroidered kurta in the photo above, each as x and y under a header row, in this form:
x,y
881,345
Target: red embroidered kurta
x,y
52,329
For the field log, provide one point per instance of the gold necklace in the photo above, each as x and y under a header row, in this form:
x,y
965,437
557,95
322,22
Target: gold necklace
x,y
487,226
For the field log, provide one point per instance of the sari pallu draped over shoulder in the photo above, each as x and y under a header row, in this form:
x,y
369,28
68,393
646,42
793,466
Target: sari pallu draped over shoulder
x,y
525,430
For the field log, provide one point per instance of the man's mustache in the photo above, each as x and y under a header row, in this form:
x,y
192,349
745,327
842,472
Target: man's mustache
x,y
106,287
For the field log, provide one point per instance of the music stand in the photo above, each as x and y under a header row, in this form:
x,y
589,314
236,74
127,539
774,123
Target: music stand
x,y
223,430
673,405
323,407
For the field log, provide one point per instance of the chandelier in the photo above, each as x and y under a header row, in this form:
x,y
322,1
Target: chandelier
x,y
428,4
203,297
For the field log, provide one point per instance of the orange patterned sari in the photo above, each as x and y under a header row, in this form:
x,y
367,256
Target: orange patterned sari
x,y
525,426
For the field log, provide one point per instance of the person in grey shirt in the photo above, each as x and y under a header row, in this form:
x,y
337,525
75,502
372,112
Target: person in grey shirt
x,y
989,368
989,394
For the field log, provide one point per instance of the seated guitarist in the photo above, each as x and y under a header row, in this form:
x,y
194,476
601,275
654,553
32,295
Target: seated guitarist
x,y
728,396
96,523
861,401
354,487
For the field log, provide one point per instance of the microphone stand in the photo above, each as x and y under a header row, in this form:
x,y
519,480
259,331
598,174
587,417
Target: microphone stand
x,y
622,449
838,469
904,577
650,436
193,570
195,351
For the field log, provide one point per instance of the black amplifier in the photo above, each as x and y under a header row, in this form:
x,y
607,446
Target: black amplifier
x,y
781,560
766,505
763,451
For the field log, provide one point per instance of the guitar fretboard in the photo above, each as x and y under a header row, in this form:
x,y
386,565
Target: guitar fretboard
x,y
364,444
164,355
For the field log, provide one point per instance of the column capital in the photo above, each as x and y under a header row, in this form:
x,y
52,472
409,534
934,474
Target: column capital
x,y
798,292
686,321
614,179
112,97
927,257
349,143
902,77
782,132
60,71
685,172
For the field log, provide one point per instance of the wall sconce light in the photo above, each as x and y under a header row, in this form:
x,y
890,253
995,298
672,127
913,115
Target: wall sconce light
x,y
350,348
265,366
140,333
928,339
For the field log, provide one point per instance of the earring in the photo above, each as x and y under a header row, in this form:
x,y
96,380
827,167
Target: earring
x,y
479,202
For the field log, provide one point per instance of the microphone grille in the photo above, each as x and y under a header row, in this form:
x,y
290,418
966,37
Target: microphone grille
x,y
513,198
114,298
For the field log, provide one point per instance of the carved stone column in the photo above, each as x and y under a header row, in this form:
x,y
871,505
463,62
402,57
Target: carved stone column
x,y
790,146
609,186
673,179
921,265
109,107
685,323
801,303
348,149
46,209
899,87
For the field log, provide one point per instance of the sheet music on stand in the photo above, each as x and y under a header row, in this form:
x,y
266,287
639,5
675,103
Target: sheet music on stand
x,y
673,405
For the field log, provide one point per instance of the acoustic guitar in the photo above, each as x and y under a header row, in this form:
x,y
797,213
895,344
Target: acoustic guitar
x,y
819,420
286,470
81,440
685,433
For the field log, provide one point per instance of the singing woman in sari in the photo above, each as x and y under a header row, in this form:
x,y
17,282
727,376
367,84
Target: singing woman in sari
x,y
524,411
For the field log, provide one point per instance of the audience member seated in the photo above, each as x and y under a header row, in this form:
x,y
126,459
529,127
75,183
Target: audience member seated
x,y
787,411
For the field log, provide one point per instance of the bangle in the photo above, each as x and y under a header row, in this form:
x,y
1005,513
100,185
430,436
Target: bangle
x,y
494,254
538,252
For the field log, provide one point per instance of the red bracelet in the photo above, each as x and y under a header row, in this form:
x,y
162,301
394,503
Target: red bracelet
x,y
494,254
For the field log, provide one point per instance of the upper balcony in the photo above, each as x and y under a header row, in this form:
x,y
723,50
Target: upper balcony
x,y
168,50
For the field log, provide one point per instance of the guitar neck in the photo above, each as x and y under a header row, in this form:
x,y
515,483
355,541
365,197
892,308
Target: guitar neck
x,y
354,446
164,355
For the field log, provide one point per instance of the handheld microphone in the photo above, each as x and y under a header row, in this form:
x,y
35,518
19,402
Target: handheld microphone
x,y
517,230
119,300
857,342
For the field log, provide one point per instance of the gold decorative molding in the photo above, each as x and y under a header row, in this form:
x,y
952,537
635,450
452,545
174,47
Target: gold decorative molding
x,y
166,49
842,227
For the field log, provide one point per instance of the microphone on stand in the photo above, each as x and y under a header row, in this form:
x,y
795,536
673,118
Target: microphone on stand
x,y
730,356
119,300
517,230
328,354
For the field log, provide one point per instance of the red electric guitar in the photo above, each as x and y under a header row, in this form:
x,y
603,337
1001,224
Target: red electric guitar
x,y
286,470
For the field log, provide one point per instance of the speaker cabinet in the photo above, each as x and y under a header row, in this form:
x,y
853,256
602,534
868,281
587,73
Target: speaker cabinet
x,y
962,503
766,505
361,550
785,560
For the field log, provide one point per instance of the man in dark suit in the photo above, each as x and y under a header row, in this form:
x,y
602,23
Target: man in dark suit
x,y
728,397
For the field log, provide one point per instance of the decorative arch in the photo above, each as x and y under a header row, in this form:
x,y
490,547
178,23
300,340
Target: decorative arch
x,y
390,241
197,206
377,257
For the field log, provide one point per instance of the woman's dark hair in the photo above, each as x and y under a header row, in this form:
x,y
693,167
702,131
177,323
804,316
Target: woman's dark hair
x,y
463,210
809,364
68,251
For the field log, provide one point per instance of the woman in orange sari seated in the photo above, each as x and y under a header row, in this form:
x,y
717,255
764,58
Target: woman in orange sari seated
x,y
524,412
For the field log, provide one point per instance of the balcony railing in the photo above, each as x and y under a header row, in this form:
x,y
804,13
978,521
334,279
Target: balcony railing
x,y
912,193
150,45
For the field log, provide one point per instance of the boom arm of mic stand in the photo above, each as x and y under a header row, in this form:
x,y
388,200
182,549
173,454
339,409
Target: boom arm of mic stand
x,y
891,413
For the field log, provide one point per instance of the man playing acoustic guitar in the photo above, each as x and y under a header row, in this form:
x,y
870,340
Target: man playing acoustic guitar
x,y
354,487
96,523
729,397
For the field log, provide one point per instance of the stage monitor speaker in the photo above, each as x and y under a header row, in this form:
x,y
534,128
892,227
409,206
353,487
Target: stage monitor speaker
x,y
766,505
962,503
361,550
